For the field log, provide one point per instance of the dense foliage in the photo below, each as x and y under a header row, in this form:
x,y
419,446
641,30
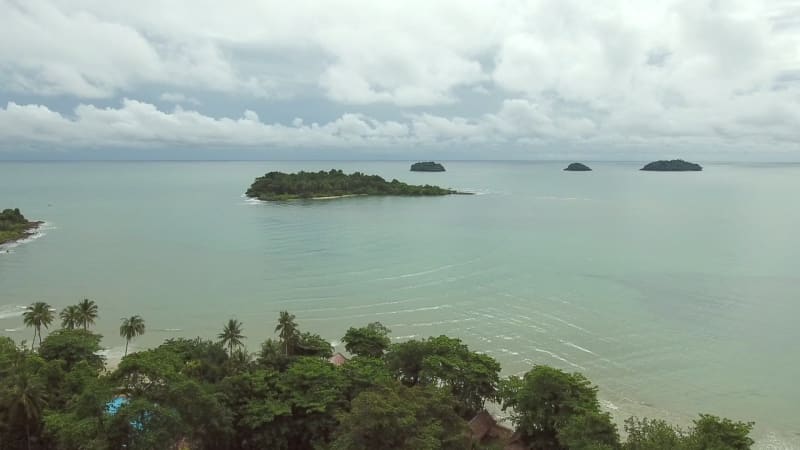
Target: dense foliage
x,y
202,394
13,225
675,165
333,183
427,166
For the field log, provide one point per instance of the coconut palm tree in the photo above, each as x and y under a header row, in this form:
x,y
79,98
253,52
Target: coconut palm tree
x,y
131,327
26,400
70,317
88,312
231,335
35,316
287,330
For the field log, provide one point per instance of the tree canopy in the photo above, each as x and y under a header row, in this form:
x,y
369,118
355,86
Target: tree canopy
x,y
333,183
204,394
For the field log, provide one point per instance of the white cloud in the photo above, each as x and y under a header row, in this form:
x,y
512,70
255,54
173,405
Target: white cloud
x,y
517,123
713,73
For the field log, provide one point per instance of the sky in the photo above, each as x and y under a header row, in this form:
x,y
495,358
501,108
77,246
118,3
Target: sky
x,y
445,79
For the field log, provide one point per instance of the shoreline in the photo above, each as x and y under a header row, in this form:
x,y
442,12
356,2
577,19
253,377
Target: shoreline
x,y
30,231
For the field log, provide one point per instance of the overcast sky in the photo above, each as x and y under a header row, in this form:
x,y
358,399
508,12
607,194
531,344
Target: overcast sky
x,y
460,79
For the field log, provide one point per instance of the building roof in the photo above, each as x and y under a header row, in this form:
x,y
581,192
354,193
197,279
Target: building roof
x,y
337,359
481,425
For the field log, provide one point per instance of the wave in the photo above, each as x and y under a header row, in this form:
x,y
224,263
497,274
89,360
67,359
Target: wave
x,y
40,231
560,358
9,311
570,344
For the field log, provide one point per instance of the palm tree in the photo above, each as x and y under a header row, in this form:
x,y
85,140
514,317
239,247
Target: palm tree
x,y
27,400
287,330
131,327
70,317
231,335
35,316
87,313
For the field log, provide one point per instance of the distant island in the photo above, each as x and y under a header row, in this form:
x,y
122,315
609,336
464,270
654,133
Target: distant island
x,y
333,184
578,167
14,226
676,165
428,166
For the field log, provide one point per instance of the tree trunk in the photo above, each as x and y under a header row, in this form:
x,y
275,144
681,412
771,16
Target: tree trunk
x,y
33,342
126,347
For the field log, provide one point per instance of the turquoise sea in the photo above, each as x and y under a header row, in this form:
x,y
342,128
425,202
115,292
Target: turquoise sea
x,y
676,293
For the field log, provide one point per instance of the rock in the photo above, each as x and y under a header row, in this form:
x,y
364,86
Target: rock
x,y
676,165
428,166
578,167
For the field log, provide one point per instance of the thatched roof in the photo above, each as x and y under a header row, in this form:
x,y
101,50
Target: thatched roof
x,y
337,359
481,425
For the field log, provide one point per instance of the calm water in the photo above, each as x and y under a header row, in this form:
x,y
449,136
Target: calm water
x,y
677,293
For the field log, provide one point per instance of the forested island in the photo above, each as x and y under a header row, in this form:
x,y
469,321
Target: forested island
x,y
675,165
295,393
428,166
578,167
14,226
333,183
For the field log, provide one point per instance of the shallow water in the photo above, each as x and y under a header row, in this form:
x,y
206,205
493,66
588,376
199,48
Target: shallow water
x,y
676,293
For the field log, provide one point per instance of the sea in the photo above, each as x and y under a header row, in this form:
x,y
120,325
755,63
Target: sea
x,y
676,293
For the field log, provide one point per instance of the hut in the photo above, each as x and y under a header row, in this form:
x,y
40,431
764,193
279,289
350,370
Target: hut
x,y
337,359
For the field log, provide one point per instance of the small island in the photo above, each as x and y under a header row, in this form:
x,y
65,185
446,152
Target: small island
x,y
14,226
676,165
428,166
578,167
333,184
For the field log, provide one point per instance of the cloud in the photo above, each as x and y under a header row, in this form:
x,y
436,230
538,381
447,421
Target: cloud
x,y
178,98
707,73
518,123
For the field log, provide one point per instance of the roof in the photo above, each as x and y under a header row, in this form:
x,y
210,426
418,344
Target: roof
x,y
481,425
337,359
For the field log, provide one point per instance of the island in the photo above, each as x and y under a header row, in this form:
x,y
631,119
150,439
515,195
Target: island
x,y
334,184
428,166
14,226
578,167
676,165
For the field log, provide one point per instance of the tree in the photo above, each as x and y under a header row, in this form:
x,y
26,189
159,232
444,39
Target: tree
x,y
87,313
37,315
471,377
131,327
545,400
70,317
395,417
652,434
231,335
72,346
371,340
711,432
287,331
589,431
308,344
26,400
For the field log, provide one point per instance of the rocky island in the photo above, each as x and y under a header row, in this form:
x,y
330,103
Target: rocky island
x,y
676,165
578,167
14,226
333,184
428,166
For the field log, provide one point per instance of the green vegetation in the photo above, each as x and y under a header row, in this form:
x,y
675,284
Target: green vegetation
x,y
428,166
14,226
334,183
676,165
202,394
